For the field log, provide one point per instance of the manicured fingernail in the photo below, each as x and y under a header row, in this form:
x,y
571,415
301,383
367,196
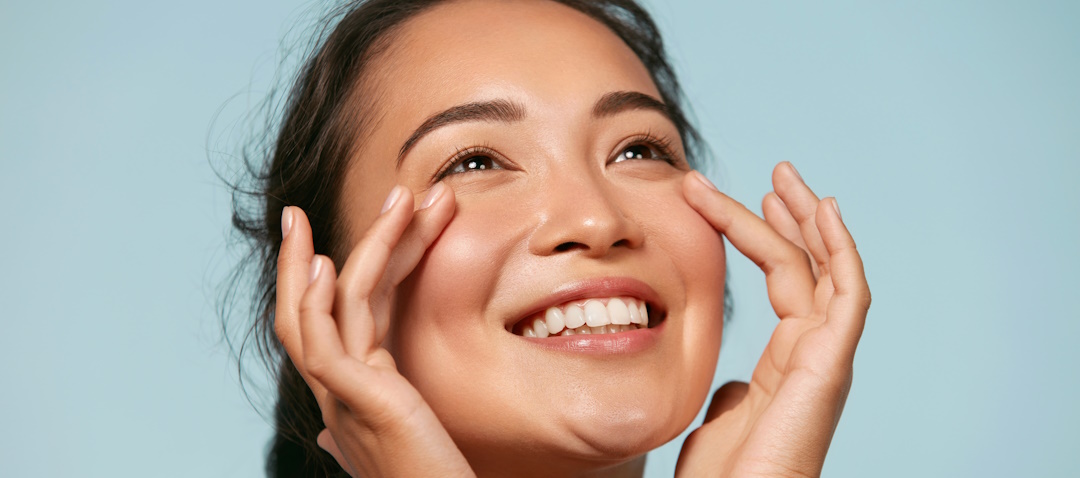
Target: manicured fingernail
x,y
392,199
286,222
796,171
836,207
316,267
705,181
433,195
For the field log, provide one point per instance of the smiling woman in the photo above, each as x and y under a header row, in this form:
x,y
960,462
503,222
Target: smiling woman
x,y
496,259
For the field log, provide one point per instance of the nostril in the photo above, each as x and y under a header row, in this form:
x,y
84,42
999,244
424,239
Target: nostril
x,y
566,246
621,243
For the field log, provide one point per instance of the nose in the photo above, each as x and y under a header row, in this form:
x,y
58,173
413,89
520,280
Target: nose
x,y
583,214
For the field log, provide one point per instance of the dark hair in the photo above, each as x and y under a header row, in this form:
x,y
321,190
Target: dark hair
x,y
305,166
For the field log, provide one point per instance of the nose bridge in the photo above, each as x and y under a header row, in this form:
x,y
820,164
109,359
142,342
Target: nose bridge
x,y
580,210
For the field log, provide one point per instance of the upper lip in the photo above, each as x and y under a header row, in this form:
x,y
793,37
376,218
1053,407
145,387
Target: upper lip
x,y
595,288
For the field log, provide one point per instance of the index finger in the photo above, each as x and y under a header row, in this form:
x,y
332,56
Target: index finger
x,y
788,275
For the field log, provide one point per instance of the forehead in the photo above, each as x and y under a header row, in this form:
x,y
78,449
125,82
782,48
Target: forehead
x,y
541,54
553,60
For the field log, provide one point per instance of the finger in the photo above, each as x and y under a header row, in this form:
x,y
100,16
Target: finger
x,y
294,262
348,385
363,269
327,443
787,270
851,297
435,213
400,255
802,203
725,398
777,215
324,354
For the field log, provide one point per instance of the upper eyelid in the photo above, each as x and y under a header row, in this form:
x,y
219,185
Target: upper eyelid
x,y
662,143
465,153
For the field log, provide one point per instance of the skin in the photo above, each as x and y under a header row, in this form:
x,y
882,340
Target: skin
x,y
407,349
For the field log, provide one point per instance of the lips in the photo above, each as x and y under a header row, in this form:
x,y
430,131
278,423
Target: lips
x,y
593,307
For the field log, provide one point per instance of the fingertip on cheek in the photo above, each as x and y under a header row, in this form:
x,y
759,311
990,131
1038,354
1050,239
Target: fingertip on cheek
x,y
703,180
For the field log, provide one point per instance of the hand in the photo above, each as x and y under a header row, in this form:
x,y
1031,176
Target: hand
x,y
781,423
332,328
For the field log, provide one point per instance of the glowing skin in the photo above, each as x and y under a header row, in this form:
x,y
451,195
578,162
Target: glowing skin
x,y
418,351
561,213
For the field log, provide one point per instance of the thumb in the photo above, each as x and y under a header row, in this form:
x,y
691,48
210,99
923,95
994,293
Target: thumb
x,y
725,398
326,442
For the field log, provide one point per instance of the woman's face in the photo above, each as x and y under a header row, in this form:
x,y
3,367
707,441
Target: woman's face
x,y
568,195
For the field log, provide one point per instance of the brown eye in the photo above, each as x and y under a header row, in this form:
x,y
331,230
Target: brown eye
x,y
473,163
638,151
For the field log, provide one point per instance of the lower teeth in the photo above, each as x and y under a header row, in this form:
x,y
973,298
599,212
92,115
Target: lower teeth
x,y
586,330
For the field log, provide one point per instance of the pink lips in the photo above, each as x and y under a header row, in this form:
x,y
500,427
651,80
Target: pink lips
x,y
603,344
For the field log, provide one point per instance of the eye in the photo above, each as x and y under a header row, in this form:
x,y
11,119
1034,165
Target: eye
x,y
648,148
470,160
637,151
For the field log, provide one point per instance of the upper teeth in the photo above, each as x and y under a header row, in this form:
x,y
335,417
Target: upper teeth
x,y
592,316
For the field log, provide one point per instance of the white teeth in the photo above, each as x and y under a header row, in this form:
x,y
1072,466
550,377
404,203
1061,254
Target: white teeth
x,y
635,314
618,312
554,320
574,317
596,314
540,328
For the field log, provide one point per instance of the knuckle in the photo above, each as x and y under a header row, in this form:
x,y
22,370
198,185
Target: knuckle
x,y
280,330
317,367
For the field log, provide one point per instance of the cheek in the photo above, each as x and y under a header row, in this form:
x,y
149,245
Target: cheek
x,y
439,313
695,249
695,253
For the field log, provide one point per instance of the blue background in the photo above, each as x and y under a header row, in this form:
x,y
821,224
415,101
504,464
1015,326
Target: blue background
x,y
949,132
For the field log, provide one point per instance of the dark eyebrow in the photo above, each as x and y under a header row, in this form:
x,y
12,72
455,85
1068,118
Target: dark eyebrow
x,y
506,111
619,101
495,110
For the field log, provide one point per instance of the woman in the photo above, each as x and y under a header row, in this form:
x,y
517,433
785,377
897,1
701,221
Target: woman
x,y
497,260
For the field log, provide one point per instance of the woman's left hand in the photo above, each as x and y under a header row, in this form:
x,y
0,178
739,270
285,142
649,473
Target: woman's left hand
x,y
781,423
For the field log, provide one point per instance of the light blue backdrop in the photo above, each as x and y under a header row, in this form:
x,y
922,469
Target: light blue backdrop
x,y
948,130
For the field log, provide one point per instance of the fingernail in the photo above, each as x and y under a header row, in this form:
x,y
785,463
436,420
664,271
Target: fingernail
x,y
286,222
433,195
796,171
316,267
705,181
395,194
836,207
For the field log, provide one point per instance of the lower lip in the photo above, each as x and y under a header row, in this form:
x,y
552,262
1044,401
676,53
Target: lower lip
x,y
629,342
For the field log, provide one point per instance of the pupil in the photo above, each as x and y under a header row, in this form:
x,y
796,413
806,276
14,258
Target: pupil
x,y
634,152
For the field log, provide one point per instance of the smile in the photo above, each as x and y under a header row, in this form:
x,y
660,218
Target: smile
x,y
587,317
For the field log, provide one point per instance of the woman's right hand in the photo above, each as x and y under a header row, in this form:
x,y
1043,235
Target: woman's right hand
x,y
332,328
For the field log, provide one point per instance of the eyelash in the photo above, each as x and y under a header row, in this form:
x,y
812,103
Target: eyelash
x,y
661,144
464,154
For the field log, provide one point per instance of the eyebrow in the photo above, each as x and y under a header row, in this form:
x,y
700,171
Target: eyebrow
x,y
508,112
619,101
495,110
